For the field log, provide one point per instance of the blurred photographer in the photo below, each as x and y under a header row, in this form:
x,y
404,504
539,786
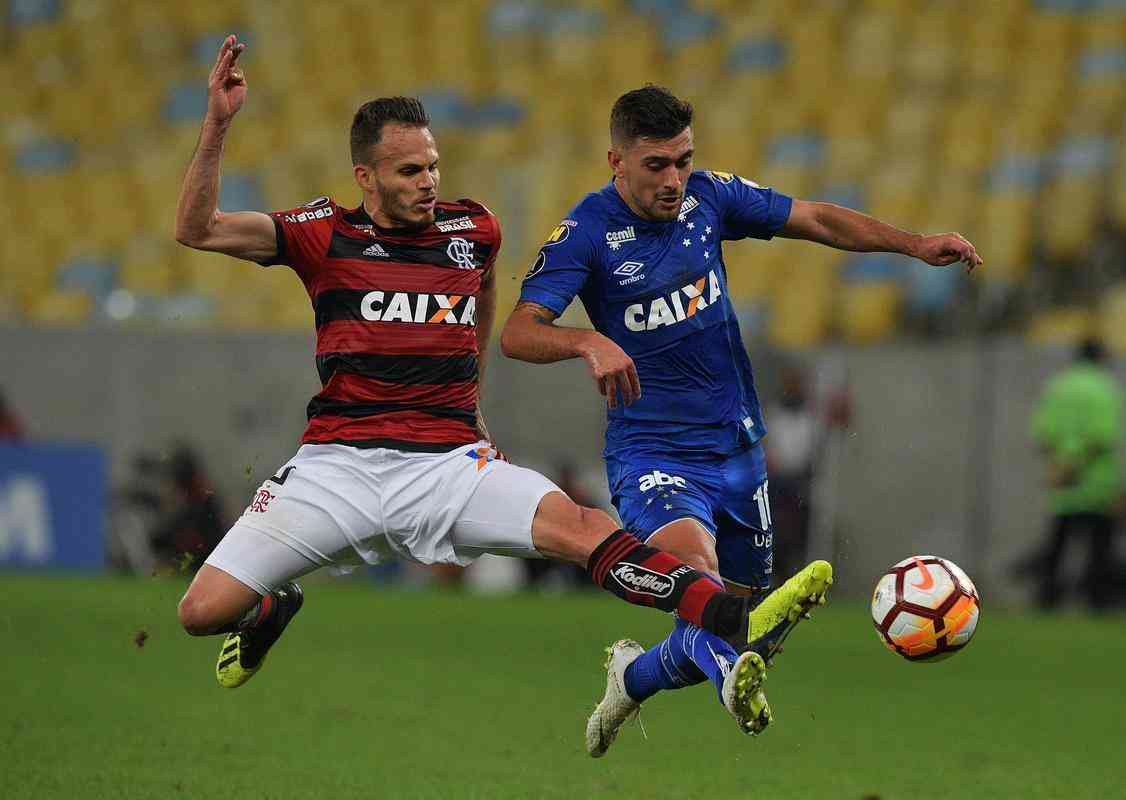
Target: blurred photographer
x,y
1077,426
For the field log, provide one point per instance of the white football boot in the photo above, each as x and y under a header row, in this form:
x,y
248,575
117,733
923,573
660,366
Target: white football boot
x,y
742,693
616,706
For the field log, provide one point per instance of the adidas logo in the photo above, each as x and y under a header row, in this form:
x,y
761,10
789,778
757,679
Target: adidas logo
x,y
376,251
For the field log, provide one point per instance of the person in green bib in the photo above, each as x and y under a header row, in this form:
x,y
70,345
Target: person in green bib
x,y
1078,426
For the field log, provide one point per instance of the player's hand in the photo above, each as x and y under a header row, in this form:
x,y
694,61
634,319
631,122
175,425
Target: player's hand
x,y
943,249
612,370
226,85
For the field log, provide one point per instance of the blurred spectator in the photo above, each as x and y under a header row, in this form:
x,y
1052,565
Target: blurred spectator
x,y
1077,426
10,428
190,521
793,445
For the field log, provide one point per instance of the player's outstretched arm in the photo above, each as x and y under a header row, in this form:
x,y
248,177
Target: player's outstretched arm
x,y
199,222
846,229
530,334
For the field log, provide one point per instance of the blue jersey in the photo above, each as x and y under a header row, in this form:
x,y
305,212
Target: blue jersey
x,y
659,290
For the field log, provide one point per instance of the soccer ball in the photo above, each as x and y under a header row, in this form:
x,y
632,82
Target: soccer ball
x,y
925,608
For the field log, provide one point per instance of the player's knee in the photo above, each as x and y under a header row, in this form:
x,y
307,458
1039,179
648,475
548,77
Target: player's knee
x,y
701,562
195,616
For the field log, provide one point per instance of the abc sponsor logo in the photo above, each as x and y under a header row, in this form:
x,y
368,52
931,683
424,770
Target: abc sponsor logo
x,y
657,478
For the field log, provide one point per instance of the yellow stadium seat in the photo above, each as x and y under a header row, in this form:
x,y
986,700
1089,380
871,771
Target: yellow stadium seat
x,y
799,321
198,18
697,66
1070,217
795,181
61,308
930,55
1112,318
1051,34
892,8
814,48
868,312
1097,106
1006,236
801,298
753,268
629,67
148,266
871,45
912,125
1099,31
1061,326
207,273
1117,195
289,307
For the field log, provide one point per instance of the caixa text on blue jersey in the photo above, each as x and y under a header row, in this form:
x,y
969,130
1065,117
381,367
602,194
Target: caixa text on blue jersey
x,y
676,307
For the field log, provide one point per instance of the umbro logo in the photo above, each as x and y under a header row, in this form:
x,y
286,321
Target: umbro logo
x,y
376,251
629,271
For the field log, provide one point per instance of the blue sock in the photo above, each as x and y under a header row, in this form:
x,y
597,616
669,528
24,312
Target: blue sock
x,y
690,655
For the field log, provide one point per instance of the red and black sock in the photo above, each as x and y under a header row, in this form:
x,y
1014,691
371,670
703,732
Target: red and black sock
x,y
646,576
255,616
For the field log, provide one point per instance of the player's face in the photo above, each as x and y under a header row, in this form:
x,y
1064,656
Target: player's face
x,y
404,177
651,174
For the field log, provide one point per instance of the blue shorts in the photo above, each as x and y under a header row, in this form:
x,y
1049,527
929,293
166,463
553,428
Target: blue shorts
x,y
728,497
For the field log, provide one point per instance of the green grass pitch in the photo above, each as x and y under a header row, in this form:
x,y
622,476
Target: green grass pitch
x,y
376,693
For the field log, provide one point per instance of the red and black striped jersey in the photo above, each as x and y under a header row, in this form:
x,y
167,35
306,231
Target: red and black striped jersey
x,y
396,318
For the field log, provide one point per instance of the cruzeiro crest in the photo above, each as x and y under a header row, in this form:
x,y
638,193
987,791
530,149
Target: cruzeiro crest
x,y
460,252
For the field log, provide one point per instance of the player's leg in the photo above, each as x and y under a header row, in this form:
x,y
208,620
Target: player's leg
x,y
635,572
245,588
516,511
692,655
745,540
215,602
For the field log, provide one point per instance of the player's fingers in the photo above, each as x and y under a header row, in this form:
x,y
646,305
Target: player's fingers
x,y
601,386
220,66
634,380
615,391
223,48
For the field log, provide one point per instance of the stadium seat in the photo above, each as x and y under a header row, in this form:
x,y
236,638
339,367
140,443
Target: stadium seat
x,y
1069,217
1061,326
868,312
1112,318
1007,228
61,308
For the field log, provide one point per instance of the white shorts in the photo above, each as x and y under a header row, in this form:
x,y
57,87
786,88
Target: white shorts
x,y
336,505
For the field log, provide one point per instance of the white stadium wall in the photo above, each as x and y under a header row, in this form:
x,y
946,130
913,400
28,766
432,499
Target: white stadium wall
x,y
937,458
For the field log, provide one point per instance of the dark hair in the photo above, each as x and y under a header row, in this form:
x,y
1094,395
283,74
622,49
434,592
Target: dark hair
x,y
652,112
367,125
1091,349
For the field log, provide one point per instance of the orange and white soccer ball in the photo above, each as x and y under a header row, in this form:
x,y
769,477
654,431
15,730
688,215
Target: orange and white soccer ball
x,y
925,608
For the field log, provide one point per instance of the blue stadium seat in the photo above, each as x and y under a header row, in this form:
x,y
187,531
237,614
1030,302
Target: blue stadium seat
x,y
32,12
241,192
45,155
94,275
185,103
